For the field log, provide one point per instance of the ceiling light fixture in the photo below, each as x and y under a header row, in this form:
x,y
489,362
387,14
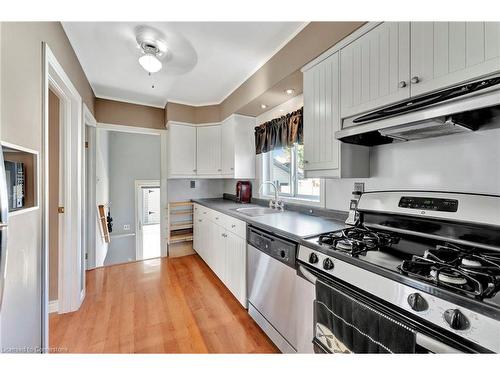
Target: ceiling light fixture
x,y
289,91
150,63
151,52
263,106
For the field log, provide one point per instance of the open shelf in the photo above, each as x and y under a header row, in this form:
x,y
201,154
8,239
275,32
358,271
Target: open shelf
x,y
180,219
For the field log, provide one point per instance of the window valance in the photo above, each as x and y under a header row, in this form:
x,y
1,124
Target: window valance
x,y
280,132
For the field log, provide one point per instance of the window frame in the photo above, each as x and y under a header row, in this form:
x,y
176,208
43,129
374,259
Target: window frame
x,y
268,191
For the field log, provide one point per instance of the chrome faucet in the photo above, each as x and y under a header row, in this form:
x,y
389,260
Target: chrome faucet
x,y
275,203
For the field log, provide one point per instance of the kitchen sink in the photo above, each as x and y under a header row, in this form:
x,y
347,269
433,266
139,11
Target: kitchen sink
x,y
257,211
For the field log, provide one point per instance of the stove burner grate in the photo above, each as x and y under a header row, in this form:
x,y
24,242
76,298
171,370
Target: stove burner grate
x,y
357,240
474,274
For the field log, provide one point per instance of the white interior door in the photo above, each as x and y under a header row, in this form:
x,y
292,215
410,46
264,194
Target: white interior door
x,y
148,228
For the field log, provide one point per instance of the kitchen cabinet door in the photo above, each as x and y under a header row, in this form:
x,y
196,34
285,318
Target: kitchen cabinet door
x,y
219,251
321,115
448,53
375,69
208,150
181,150
236,266
227,149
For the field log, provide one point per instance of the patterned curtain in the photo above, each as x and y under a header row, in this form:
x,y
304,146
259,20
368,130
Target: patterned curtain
x,y
280,132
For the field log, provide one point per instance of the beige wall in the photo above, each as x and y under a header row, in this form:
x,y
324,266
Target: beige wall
x,y
267,84
21,124
121,113
191,114
313,40
53,194
22,77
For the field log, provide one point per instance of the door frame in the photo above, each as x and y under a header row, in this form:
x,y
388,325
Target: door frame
x,y
163,172
138,238
70,289
89,180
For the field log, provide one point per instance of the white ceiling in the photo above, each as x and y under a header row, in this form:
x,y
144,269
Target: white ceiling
x,y
205,62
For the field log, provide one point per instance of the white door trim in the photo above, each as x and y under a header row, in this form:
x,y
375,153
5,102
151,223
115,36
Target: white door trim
x,y
163,171
89,206
138,233
70,254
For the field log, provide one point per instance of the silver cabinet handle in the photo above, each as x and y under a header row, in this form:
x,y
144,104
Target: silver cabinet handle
x,y
402,84
415,79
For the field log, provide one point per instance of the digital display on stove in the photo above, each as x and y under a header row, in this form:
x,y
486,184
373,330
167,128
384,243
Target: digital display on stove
x,y
431,204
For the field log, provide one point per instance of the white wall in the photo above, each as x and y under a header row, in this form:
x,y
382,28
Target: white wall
x,y
132,157
102,190
180,190
460,163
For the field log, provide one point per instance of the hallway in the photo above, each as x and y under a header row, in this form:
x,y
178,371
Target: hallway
x,y
162,305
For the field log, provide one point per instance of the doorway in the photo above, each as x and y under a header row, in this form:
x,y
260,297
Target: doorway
x,y
148,220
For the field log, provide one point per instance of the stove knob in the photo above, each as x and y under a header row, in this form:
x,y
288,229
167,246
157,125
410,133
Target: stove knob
x,y
313,258
456,319
417,302
328,264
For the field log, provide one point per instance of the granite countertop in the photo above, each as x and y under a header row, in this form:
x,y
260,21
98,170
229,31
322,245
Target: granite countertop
x,y
289,224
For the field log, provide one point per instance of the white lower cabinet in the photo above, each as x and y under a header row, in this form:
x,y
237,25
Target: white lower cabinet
x,y
220,240
236,250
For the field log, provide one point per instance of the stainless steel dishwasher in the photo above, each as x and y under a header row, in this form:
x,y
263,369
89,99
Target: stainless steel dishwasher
x,y
271,281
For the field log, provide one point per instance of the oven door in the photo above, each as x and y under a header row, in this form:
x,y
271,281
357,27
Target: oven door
x,y
325,342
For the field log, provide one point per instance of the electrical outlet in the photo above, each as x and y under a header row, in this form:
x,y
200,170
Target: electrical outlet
x,y
126,227
193,184
359,187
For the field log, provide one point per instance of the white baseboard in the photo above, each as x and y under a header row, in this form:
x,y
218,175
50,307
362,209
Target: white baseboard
x,y
53,306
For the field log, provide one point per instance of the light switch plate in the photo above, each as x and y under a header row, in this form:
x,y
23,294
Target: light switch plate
x,y
193,184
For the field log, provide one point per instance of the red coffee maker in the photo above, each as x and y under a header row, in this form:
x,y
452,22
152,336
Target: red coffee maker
x,y
243,191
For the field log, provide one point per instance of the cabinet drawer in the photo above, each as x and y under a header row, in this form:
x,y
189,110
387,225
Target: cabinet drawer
x,y
235,226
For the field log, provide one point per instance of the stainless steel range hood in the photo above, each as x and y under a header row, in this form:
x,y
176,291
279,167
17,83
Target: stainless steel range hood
x,y
463,108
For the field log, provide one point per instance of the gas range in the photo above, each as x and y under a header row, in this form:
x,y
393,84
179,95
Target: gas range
x,y
434,255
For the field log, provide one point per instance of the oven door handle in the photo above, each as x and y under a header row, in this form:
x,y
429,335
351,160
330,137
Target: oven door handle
x,y
434,345
307,275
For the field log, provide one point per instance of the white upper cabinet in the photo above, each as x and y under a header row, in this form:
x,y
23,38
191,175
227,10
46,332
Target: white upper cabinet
x,y
208,155
325,156
238,147
375,69
321,115
227,151
181,150
447,53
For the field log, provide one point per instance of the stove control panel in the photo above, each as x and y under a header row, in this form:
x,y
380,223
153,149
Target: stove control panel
x,y
429,204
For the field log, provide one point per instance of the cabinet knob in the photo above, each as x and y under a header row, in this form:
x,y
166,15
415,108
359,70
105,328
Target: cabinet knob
x,y
219,170
194,170
415,79
306,161
233,226
402,84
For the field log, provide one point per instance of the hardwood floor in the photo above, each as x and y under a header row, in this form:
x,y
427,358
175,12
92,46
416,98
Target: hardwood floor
x,y
164,305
